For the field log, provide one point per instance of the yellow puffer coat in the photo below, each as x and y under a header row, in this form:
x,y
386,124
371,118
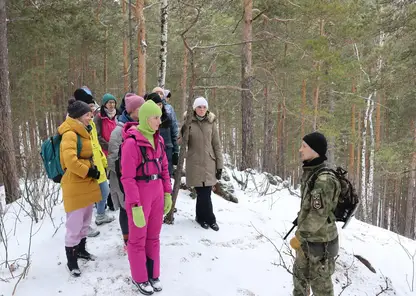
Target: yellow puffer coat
x,y
99,158
78,190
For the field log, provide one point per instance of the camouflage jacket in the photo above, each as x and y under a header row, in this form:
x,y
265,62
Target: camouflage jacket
x,y
316,220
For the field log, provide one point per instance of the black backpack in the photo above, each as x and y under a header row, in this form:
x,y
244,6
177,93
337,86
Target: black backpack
x,y
348,200
145,160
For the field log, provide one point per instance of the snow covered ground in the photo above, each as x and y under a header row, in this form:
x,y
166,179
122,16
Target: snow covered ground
x,y
237,260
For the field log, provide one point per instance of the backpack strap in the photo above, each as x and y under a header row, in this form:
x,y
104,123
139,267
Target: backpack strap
x,y
79,145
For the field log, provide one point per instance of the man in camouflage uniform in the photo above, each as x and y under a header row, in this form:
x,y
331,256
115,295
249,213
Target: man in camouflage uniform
x,y
316,240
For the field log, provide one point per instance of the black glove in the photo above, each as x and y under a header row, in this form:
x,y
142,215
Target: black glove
x,y
94,173
218,174
175,158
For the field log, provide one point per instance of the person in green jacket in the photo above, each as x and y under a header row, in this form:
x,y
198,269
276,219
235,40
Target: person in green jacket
x,y
316,240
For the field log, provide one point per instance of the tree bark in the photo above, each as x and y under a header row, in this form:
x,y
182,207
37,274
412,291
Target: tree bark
x,y
411,190
106,60
303,108
125,50
352,146
267,135
247,158
163,42
141,49
8,167
184,83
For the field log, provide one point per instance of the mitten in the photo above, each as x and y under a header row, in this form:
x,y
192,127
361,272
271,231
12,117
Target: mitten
x,y
175,158
218,174
93,173
168,203
295,243
138,216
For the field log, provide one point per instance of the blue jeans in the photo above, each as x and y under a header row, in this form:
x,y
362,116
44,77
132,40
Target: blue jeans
x,y
105,191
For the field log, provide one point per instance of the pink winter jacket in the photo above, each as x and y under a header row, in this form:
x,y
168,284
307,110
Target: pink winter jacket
x,y
104,127
131,158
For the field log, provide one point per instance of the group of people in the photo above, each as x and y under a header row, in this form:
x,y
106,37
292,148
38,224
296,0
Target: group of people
x,y
135,147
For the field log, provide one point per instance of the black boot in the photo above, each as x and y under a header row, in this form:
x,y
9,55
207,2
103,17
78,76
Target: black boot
x,y
71,255
83,253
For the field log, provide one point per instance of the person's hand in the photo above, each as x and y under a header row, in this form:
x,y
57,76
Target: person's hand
x,y
175,158
138,216
168,203
93,173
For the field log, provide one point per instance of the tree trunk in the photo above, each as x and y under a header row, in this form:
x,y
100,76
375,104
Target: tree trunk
x,y
303,108
267,135
411,190
331,138
106,60
247,159
372,202
352,146
184,83
184,142
131,49
163,42
125,50
366,203
141,49
8,167
316,92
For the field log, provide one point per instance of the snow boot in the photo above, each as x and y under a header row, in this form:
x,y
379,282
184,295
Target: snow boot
x,y
144,288
103,218
72,265
92,232
203,224
214,226
156,284
83,253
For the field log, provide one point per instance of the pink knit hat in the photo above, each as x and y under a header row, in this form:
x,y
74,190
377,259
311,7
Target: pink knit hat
x,y
133,101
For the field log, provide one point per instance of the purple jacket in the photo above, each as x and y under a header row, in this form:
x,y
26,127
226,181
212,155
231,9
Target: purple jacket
x,y
131,158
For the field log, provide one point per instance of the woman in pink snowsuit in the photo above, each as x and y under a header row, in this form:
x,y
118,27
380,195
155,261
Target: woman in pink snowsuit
x,y
147,188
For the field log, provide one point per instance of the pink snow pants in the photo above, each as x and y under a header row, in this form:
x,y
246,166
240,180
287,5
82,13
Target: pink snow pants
x,y
77,223
143,246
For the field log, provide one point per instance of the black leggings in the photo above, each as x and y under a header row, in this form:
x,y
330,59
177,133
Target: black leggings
x,y
124,224
204,210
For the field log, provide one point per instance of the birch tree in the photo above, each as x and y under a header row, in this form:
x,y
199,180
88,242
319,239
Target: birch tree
x,y
163,42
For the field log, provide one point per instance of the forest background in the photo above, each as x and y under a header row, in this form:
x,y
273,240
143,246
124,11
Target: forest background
x,y
271,71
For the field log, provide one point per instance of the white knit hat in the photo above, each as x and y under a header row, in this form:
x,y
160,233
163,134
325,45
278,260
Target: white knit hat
x,y
200,101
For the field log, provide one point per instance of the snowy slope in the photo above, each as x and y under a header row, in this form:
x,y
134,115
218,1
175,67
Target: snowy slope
x,y
197,262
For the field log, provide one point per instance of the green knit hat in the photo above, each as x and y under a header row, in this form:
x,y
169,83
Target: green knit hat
x,y
108,97
148,109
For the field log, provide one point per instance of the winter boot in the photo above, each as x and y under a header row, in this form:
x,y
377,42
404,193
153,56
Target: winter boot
x,y
156,284
214,226
144,288
92,232
83,253
103,218
72,265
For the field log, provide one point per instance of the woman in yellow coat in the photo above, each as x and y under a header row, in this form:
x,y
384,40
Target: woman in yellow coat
x,y
84,94
80,189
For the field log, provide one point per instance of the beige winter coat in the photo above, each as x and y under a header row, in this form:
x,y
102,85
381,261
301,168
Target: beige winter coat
x,y
204,155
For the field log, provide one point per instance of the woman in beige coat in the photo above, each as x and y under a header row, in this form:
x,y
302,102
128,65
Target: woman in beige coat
x,y
204,162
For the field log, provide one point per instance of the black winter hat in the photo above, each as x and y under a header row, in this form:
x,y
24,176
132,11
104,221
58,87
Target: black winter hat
x,y
317,142
154,97
77,109
81,95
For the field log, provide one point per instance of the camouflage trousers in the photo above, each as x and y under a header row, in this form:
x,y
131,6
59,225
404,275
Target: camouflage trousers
x,y
313,272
